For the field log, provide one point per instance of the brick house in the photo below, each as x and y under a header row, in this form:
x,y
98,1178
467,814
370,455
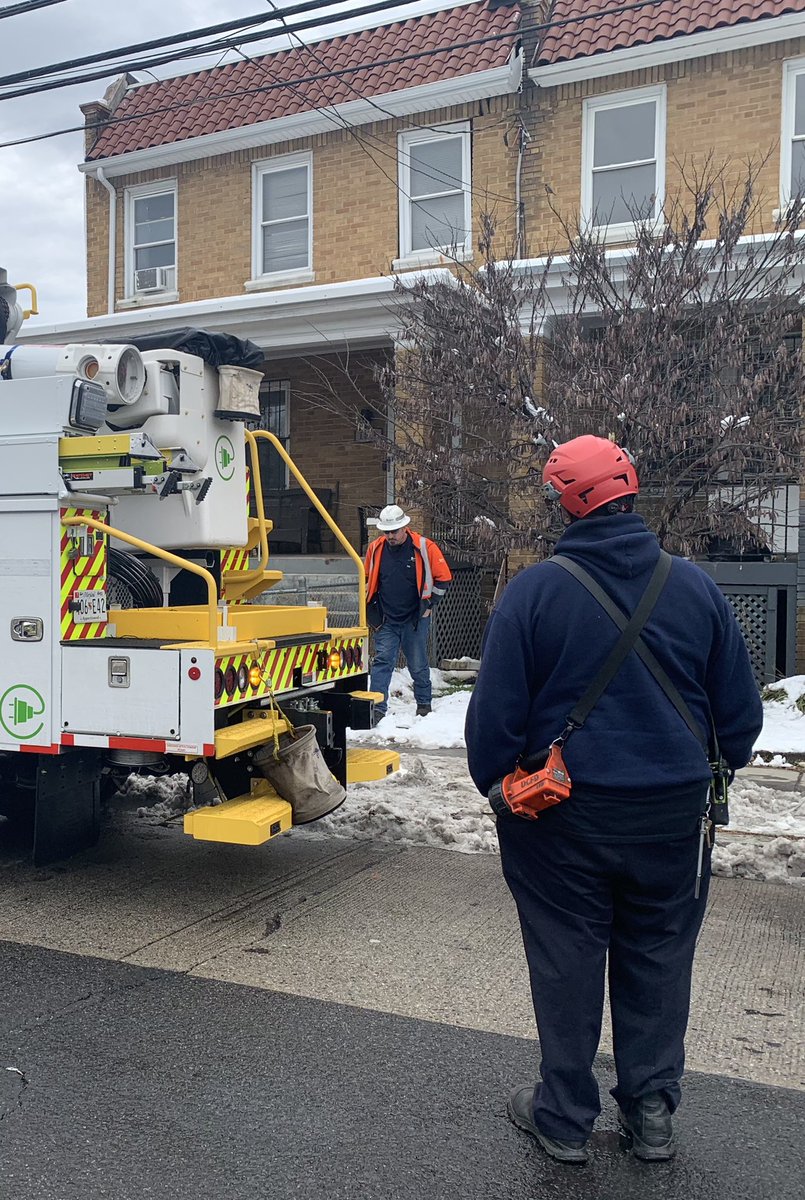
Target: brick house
x,y
614,107
276,198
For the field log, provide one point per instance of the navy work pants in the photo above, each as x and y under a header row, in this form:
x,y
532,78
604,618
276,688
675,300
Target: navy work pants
x,y
578,902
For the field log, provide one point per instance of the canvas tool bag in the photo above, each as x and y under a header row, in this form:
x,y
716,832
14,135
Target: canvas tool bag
x,y
294,766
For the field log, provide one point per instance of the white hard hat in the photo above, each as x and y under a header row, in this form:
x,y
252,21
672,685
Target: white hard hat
x,y
392,517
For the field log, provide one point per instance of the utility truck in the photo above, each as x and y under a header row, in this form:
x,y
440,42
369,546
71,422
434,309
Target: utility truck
x,y
134,550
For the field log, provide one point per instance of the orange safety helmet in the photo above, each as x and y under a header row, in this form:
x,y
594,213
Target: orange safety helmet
x,y
587,472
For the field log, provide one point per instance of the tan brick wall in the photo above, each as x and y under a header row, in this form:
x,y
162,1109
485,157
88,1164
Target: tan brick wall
x,y
728,105
322,443
355,204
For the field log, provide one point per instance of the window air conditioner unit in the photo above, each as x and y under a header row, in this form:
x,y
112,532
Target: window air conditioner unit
x,y
153,279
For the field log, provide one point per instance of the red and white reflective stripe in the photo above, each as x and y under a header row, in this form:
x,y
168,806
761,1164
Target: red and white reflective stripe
x,y
160,746
40,749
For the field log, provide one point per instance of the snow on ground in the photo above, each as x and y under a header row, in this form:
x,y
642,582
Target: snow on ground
x,y
432,801
783,721
443,729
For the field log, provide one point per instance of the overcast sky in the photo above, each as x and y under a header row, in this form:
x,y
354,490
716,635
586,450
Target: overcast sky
x,y
41,190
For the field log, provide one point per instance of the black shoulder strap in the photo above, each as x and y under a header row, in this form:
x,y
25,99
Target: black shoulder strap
x,y
630,626
630,631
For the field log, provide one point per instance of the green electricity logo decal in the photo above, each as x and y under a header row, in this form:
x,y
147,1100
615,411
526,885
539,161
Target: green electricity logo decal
x,y
21,708
224,457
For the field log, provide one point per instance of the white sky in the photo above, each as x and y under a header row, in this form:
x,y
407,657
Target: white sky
x,y
41,190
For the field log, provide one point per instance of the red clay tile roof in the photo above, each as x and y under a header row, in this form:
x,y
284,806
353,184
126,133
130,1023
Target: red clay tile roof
x,y
654,23
234,100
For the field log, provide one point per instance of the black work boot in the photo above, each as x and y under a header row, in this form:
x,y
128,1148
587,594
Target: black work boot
x,y
520,1111
423,710
646,1128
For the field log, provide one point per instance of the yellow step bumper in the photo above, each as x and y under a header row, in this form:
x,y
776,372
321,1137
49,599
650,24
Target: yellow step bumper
x,y
363,766
246,735
244,821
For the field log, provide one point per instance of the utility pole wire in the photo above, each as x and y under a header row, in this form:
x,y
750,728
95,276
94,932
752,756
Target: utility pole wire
x,y
254,91
246,22
176,38
26,6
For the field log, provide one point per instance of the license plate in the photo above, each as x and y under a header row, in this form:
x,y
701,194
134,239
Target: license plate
x,y
91,607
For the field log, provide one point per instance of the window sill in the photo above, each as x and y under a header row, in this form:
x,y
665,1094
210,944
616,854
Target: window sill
x,y
435,258
279,279
611,234
148,300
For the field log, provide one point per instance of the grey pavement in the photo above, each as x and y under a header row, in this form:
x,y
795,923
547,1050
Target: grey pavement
x,y
325,1017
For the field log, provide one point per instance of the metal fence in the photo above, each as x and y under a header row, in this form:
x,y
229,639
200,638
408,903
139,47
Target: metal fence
x,y
338,593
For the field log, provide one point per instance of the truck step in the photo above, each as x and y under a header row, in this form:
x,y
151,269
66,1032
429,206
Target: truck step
x,y
363,766
248,734
247,820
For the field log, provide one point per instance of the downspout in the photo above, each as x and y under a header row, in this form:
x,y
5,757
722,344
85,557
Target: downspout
x,y
110,296
523,139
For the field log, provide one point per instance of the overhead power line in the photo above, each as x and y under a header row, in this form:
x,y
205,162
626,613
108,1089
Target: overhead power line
x,y
278,17
261,89
239,93
26,6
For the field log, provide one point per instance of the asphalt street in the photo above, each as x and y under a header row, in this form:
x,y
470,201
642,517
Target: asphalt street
x,y
326,1018
146,1083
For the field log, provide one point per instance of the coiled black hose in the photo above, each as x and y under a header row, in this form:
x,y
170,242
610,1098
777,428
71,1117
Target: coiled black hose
x,y
140,580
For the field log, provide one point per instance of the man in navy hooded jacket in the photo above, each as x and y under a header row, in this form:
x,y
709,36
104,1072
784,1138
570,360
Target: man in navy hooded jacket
x,y
610,871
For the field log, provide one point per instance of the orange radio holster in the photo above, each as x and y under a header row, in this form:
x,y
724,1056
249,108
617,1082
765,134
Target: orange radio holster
x,y
526,793
542,780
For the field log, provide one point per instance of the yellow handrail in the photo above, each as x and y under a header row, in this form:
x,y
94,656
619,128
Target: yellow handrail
x,y
158,552
322,511
33,311
257,484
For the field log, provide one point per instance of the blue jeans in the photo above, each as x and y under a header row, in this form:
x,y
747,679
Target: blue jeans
x,y
414,642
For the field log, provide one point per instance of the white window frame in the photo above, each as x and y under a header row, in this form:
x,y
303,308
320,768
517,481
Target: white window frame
x,y
623,229
792,68
412,137
138,192
260,278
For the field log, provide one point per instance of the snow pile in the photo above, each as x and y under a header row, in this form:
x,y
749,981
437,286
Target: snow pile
x,y
765,838
757,808
163,796
429,802
778,860
783,721
443,729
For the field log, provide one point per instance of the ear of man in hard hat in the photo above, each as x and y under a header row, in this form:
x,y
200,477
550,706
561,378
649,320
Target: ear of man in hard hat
x,y
406,576
610,871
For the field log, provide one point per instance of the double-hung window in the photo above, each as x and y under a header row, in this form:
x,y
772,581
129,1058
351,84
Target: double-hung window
x,y
792,156
623,154
435,192
151,238
282,235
